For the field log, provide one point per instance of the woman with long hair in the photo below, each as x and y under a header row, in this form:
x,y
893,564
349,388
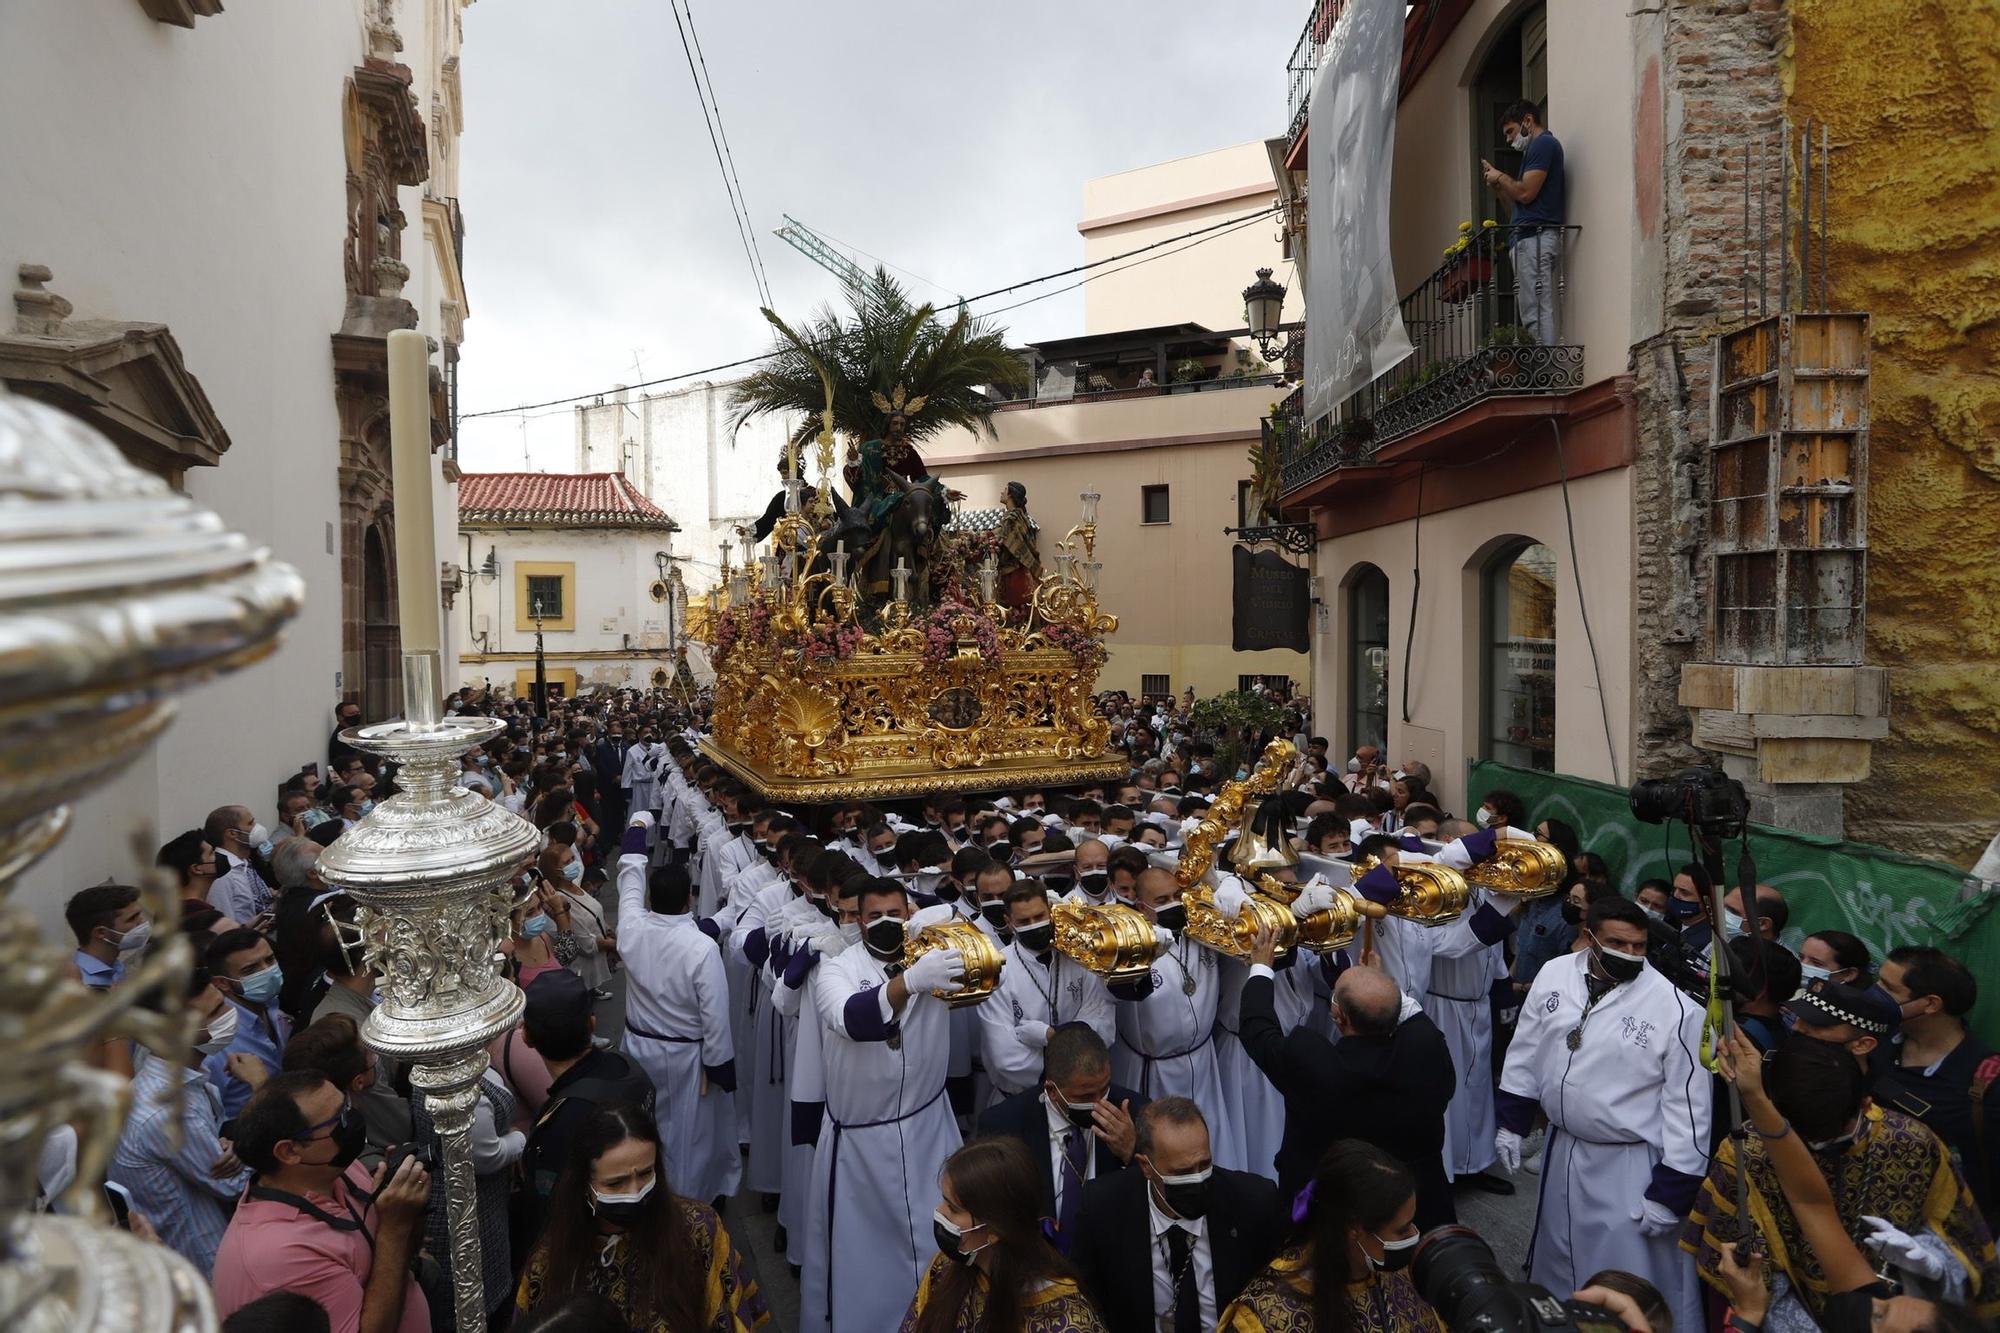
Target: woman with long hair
x,y
1346,1269
615,1228
995,1272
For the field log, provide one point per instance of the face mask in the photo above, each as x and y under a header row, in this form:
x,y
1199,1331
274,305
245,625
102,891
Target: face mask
x,y
1395,1253
1093,883
946,890
885,937
367,806
1354,765
221,1031
1620,967
825,909
349,1137
133,940
259,838
1572,914
850,931
1036,938
1058,884
1081,1114
1242,773
1186,1196
1172,917
1811,973
1839,1142
950,1237
538,924
573,871
1483,818
1732,925
263,987
995,914
1654,914
1519,143
622,1209
1683,910
1001,851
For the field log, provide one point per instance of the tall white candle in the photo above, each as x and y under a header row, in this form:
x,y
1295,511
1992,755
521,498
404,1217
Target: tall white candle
x,y
410,466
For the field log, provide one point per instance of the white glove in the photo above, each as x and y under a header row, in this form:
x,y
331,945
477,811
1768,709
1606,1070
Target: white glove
x,y
641,819
1657,1219
1230,898
1033,1035
1903,1250
1316,896
938,970
1507,1147
1163,939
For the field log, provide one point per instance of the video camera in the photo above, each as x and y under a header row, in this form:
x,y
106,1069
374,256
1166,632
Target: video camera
x,y
1456,1272
1706,797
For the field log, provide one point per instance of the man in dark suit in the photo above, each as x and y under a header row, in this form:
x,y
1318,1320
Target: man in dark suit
x,y
1387,1080
1077,1125
1170,1245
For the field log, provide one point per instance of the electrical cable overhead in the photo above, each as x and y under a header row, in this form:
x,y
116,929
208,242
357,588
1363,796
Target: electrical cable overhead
x,y
715,105
744,233
1199,236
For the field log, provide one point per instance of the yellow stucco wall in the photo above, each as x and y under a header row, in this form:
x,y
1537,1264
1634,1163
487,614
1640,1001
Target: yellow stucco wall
x,y
1912,92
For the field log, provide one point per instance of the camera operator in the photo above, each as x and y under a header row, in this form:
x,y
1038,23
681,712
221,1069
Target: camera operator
x,y
1890,1181
1606,1048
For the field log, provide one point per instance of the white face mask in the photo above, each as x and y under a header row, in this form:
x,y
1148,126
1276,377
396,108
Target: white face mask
x,y
133,940
221,1031
1812,973
1519,143
1732,925
1483,818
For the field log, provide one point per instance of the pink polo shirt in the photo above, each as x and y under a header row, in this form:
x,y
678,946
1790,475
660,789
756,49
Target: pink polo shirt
x,y
272,1246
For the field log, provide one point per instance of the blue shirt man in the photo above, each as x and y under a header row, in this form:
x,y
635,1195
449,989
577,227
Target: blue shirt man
x,y
1537,201
247,973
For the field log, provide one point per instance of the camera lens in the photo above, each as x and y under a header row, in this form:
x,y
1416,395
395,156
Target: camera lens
x,y
1655,801
1457,1274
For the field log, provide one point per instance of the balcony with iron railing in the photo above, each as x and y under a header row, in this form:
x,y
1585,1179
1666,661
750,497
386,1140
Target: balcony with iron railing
x,y
1304,64
1474,341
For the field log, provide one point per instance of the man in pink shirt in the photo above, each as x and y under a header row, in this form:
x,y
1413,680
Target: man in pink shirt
x,y
313,1222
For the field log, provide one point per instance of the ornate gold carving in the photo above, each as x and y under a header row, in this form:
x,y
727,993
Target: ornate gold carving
x,y
983,959
1114,941
1208,927
1198,849
1521,868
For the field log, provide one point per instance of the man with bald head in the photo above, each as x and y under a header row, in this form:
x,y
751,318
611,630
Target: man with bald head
x,y
1387,1080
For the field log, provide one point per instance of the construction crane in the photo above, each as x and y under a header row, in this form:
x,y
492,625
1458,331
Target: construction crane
x,y
818,249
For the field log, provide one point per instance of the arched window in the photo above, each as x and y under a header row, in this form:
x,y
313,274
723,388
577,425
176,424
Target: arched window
x,y
1367,658
1518,596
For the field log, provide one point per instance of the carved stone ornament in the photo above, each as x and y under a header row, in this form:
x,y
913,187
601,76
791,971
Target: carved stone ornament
x,y
115,595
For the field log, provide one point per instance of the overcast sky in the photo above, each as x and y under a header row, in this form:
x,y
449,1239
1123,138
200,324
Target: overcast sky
x,y
951,141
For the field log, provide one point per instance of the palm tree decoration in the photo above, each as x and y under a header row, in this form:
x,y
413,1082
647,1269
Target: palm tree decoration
x,y
883,350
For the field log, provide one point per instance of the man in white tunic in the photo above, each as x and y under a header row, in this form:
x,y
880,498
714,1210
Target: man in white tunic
x,y
888,1127
1606,1048
759,898
1166,1021
677,1020
1039,991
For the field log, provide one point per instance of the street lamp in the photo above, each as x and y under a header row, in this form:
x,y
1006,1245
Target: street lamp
x,y
1263,311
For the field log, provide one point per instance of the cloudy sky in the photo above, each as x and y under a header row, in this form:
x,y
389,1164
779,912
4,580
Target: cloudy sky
x,y
950,140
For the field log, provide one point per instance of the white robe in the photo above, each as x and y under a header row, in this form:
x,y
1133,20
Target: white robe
x,y
1166,1045
676,990
1062,991
1249,1101
805,1069
768,1105
1632,1096
887,1132
1465,962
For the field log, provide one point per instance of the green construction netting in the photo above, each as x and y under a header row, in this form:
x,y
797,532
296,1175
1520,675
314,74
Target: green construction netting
x,y
1885,898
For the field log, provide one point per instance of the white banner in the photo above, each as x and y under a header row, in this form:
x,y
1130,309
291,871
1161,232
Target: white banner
x,y
1354,329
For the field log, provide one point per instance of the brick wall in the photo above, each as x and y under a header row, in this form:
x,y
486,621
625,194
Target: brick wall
x,y
1719,70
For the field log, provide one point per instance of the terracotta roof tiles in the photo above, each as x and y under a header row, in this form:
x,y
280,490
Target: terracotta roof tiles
x,y
563,499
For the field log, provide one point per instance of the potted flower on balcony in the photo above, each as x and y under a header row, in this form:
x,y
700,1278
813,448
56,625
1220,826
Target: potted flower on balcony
x,y
1356,433
1468,262
1504,361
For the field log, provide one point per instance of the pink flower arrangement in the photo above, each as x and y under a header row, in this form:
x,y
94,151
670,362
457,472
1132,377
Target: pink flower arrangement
x,y
834,643
1078,643
941,638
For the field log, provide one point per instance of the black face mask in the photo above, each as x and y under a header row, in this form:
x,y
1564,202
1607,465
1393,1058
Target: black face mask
x,y
1058,884
946,891
1572,914
1093,882
1083,1117
826,909
1172,917
349,1137
1620,967
1036,938
622,1213
884,938
1187,1200
1001,851
995,914
947,1243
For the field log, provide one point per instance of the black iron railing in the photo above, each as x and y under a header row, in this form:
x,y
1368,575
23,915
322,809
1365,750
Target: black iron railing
x,y
1304,64
1475,332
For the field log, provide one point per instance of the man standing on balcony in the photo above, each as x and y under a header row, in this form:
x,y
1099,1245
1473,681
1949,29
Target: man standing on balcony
x,y
1536,206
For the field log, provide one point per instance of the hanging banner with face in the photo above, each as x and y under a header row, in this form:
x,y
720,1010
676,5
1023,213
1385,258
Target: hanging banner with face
x,y
1354,328
1272,599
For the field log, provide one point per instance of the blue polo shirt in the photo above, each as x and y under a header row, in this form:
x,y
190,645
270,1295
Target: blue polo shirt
x,y
268,1047
1544,153
98,974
